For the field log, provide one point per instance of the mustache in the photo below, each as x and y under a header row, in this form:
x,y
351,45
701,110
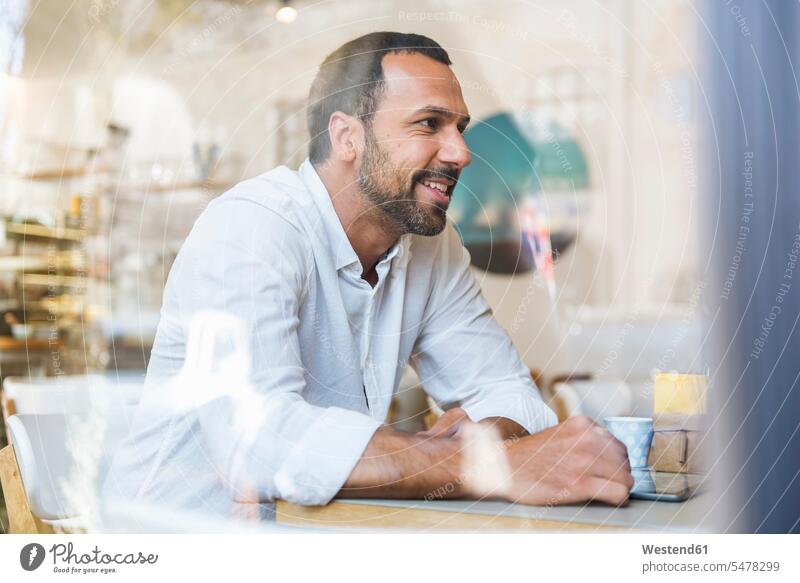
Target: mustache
x,y
443,172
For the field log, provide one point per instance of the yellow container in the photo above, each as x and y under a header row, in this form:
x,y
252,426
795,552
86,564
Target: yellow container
x,y
680,393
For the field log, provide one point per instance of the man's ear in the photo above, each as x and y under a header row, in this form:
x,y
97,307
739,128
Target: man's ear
x,y
346,135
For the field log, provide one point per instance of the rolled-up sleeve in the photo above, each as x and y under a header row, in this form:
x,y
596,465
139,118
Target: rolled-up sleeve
x,y
464,357
286,448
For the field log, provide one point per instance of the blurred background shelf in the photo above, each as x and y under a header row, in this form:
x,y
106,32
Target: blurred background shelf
x,y
24,263
138,189
54,280
25,345
25,230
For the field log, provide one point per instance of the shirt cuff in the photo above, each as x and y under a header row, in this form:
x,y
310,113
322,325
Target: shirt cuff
x,y
519,406
320,463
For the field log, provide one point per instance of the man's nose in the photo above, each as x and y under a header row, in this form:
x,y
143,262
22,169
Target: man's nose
x,y
454,150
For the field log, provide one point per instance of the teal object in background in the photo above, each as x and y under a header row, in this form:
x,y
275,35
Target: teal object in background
x,y
513,156
502,169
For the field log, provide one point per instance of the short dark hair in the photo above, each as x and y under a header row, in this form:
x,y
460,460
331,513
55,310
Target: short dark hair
x,y
350,78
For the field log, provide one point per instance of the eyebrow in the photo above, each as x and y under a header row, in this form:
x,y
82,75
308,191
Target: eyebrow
x,y
444,112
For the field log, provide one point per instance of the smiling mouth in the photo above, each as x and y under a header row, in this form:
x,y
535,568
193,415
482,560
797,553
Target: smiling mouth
x,y
439,190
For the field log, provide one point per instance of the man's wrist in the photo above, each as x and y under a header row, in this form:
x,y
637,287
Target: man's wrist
x,y
508,429
475,464
446,468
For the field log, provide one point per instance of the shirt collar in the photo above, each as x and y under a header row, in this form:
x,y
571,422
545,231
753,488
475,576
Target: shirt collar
x,y
341,250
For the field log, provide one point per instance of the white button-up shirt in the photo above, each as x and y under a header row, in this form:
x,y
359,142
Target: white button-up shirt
x,y
327,347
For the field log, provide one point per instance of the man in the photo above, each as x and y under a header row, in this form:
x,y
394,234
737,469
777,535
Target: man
x,y
342,273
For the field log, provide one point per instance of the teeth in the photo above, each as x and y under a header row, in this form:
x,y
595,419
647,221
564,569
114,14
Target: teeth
x,y
436,185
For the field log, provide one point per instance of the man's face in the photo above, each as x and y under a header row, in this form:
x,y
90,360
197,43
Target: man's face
x,y
414,150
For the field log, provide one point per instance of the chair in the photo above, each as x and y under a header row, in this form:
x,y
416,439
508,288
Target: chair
x,y
44,462
66,394
65,432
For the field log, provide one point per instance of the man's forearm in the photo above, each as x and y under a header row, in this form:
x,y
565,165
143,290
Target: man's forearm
x,y
406,465
572,462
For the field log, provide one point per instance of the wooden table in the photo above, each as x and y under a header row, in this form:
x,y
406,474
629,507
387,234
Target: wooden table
x,y
637,516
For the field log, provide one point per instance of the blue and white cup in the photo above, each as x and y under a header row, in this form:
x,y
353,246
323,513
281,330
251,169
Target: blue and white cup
x,y
643,480
637,435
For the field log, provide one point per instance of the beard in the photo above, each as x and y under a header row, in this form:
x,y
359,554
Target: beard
x,y
391,191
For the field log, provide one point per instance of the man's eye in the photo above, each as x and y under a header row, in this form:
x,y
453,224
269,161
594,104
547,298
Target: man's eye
x,y
430,122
